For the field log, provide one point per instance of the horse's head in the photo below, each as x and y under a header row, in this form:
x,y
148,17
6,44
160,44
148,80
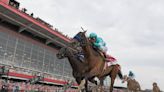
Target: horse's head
x,y
81,37
62,53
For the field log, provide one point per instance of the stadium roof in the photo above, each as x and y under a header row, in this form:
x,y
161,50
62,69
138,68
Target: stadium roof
x,y
32,25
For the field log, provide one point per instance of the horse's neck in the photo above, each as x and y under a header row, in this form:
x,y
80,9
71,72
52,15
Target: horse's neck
x,y
75,63
88,51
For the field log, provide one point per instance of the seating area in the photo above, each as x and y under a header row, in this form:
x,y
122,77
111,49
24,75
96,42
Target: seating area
x,y
13,86
15,4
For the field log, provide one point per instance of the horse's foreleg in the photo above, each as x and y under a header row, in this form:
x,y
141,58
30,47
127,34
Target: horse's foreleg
x,y
78,80
86,86
86,78
81,85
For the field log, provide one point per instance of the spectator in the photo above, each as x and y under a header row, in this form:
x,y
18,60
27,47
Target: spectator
x,y
4,88
16,87
32,14
24,10
14,3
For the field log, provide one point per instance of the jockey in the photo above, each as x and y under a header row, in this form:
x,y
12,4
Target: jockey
x,y
131,75
98,43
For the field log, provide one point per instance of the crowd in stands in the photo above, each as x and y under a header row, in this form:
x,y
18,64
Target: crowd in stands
x,y
32,72
13,86
16,5
24,86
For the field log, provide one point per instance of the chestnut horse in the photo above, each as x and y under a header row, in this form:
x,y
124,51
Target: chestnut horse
x,y
155,87
96,63
132,84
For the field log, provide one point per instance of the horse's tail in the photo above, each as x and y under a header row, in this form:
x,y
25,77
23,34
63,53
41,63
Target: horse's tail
x,y
119,72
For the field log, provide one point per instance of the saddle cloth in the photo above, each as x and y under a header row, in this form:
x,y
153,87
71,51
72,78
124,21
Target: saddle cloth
x,y
110,61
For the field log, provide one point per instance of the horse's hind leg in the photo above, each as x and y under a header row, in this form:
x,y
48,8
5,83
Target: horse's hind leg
x,y
113,75
112,83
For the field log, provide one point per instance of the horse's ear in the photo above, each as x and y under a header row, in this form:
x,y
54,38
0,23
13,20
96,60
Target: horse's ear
x,y
85,31
82,28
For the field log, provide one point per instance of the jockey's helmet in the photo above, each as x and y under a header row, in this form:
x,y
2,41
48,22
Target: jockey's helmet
x,y
131,74
93,35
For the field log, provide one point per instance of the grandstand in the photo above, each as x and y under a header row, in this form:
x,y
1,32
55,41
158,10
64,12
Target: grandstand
x,y
28,48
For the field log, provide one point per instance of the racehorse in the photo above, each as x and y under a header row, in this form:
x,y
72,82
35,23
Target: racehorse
x,y
132,84
79,68
96,62
155,87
